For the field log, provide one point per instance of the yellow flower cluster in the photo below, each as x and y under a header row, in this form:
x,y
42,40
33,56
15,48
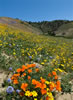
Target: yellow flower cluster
x,y
28,93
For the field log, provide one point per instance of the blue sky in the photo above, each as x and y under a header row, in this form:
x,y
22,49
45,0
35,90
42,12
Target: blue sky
x,y
37,10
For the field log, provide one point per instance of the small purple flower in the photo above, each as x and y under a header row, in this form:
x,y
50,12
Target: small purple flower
x,y
37,66
9,80
50,57
10,68
9,44
30,57
10,89
14,72
29,62
18,91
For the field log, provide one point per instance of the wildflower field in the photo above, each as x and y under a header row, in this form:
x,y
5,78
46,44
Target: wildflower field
x,y
39,66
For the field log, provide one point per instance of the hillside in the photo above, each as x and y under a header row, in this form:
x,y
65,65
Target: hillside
x,y
62,28
32,64
54,28
65,30
19,25
49,27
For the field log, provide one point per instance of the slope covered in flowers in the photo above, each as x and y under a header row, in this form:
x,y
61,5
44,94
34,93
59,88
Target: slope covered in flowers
x,y
18,48
19,44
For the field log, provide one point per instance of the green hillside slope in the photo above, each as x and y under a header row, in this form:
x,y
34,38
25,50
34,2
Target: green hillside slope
x,y
65,30
49,27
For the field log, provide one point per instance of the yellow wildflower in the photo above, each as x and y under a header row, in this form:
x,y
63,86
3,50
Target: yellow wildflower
x,y
34,93
27,93
35,99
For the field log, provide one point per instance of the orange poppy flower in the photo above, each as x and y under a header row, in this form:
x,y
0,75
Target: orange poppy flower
x,y
15,81
56,77
54,73
43,86
37,70
38,85
16,75
33,65
58,82
43,80
24,86
29,71
34,81
12,77
29,77
24,74
43,91
49,75
52,86
23,68
58,88
19,70
29,66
